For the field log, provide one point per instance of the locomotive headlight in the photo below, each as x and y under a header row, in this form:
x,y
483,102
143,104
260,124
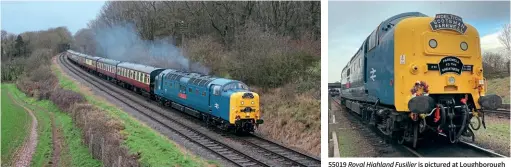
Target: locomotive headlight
x,y
464,46
253,102
242,102
433,43
452,80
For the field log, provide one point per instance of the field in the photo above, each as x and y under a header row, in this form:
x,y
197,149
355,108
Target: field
x,y
15,126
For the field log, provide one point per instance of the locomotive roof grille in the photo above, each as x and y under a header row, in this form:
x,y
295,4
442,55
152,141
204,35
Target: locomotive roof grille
x,y
203,82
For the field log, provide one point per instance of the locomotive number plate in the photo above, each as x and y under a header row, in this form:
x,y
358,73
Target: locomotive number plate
x,y
450,64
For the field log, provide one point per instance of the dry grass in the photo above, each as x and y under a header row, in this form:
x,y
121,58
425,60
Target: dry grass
x,y
292,119
499,86
495,136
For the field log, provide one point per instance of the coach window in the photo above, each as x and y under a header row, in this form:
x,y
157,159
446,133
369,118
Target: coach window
x,y
143,79
216,90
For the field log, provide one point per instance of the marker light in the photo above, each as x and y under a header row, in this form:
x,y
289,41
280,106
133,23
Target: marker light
x,y
464,46
433,43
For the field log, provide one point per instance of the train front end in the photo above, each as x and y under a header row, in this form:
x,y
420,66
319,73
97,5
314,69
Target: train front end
x,y
439,75
245,111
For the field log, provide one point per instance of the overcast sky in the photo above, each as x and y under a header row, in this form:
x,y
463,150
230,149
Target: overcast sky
x,y
22,16
349,23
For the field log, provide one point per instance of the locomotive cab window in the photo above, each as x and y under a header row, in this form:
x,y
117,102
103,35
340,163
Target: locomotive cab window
x,y
235,86
216,90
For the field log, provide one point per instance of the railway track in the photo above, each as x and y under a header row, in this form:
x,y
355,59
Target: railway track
x,y
216,146
444,149
280,153
499,111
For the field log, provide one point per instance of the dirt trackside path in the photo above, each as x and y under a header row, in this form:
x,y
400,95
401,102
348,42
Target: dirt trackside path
x,y
24,154
57,141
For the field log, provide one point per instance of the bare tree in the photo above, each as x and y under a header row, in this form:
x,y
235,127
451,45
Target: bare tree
x,y
505,38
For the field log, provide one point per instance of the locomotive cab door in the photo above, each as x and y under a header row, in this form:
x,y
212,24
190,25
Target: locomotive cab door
x,y
214,97
364,65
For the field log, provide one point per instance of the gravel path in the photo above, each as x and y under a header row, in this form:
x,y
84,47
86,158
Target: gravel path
x,y
25,153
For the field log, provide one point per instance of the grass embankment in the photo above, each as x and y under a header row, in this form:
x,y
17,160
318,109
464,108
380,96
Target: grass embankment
x,y
74,153
496,135
15,126
293,119
154,149
501,87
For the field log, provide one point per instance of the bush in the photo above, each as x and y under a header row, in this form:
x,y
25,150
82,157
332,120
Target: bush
x,y
64,99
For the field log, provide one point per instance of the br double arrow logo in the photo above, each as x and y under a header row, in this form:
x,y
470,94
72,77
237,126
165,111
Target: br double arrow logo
x,y
373,75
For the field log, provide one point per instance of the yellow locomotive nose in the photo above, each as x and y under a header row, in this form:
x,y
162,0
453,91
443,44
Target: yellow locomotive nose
x,y
245,106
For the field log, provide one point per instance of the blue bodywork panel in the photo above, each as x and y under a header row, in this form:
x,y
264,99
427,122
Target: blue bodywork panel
x,y
198,89
380,60
220,104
